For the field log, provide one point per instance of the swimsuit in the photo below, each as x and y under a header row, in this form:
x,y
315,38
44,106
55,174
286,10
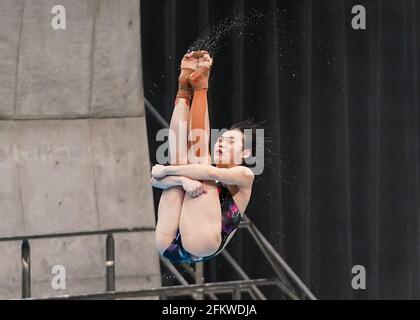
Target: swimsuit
x,y
231,217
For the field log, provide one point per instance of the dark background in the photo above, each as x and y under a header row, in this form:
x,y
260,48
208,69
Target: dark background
x,y
341,107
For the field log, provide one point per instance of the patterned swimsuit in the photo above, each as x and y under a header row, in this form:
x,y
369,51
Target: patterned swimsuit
x,y
231,217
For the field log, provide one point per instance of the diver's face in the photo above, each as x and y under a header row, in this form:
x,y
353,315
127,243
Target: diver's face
x,y
228,149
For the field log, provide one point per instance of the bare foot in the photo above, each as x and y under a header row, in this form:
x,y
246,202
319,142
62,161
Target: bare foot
x,y
199,79
188,65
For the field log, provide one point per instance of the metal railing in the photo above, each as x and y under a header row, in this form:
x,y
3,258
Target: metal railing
x,y
285,279
110,252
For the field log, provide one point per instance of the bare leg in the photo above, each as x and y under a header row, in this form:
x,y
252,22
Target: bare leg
x,y
200,222
171,200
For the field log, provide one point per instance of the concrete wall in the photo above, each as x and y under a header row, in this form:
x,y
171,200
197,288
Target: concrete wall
x,y
73,144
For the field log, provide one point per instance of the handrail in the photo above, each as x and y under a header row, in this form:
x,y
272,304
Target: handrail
x,y
110,261
76,234
180,289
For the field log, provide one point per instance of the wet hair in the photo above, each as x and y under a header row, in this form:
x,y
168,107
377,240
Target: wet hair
x,y
251,126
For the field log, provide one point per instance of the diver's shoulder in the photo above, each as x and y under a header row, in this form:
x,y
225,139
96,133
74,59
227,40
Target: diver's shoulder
x,y
248,171
249,175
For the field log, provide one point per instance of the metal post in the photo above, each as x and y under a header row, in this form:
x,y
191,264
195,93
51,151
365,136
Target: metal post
x,y
199,278
110,263
241,272
177,275
26,269
192,274
155,113
263,242
285,287
236,293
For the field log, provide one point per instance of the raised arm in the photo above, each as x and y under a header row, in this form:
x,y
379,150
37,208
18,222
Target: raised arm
x,y
239,175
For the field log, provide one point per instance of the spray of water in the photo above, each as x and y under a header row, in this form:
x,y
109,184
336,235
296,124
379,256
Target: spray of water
x,y
210,39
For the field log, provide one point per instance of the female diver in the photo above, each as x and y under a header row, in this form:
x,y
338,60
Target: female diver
x,y
201,205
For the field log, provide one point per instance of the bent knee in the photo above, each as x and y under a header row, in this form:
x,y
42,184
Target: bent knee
x,y
203,245
163,241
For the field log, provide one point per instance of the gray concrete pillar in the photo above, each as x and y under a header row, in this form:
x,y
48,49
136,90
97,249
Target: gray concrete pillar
x,y
73,144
